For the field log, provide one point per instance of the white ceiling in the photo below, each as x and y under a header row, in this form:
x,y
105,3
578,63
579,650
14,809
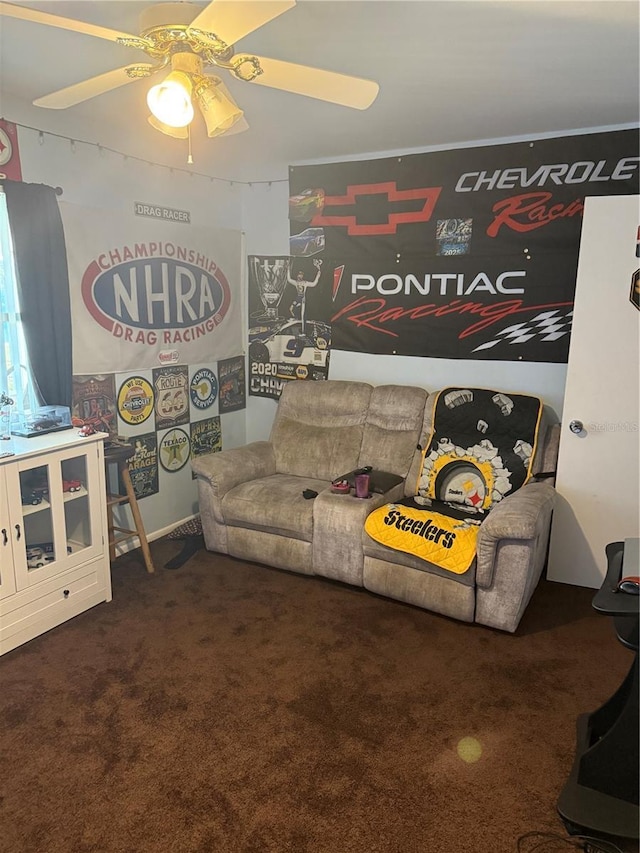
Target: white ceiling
x,y
450,72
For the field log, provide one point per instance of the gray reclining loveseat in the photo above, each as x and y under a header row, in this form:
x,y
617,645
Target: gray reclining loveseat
x,y
252,502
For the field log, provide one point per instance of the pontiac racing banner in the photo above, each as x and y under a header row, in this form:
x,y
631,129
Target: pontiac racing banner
x,y
289,336
149,292
467,253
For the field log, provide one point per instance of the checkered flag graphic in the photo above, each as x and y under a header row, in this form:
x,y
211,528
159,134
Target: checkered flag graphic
x,y
547,326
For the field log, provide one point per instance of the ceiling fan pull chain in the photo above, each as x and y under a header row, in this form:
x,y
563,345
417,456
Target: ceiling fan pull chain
x,y
189,158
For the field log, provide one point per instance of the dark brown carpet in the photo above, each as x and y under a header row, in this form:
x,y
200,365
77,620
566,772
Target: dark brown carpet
x,y
230,707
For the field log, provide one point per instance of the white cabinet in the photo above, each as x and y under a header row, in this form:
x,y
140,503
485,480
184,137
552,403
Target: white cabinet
x,y
54,554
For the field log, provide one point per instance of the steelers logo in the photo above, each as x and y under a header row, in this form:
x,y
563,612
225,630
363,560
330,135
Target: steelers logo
x,y
461,482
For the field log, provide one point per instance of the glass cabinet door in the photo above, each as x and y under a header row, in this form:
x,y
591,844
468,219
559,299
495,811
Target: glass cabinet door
x,y
76,499
59,514
34,538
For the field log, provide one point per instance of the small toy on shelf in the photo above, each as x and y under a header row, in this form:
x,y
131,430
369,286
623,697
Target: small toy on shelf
x,y
31,497
43,420
98,422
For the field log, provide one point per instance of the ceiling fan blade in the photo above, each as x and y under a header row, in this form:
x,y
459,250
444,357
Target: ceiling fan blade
x,y
26,14
90,88
329,86
231,20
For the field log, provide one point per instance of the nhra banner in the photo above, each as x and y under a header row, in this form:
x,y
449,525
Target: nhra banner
x,y
289,336
466,253
146,293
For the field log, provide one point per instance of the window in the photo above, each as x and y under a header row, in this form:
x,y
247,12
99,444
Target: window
x,y
15,375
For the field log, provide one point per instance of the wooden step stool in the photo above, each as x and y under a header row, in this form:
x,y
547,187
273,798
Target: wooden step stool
x,y
118,454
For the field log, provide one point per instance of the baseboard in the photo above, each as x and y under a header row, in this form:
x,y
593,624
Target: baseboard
x,y
133,543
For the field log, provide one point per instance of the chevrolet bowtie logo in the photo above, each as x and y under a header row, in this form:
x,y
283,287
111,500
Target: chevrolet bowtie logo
x,y
428,195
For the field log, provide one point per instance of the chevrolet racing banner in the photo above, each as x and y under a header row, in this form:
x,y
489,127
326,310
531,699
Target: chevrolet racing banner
x,y
148,292
465,253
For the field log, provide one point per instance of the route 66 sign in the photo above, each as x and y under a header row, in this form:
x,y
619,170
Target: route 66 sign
x,y
171,385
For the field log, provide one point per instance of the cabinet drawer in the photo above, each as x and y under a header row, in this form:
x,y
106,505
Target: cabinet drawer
x,y
82,589
44,589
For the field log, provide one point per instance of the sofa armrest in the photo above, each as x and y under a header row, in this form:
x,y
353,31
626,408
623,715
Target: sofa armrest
x,y
227,469
523,516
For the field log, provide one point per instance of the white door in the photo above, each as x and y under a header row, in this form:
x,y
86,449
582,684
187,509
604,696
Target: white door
x,y
599,468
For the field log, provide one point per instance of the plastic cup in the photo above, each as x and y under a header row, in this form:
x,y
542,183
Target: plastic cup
x,y
362,485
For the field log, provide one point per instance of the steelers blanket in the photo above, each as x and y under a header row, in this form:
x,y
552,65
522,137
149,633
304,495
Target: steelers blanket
x,y
446,541
481,449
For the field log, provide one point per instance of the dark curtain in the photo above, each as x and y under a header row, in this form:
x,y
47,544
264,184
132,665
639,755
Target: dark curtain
x,y
43,287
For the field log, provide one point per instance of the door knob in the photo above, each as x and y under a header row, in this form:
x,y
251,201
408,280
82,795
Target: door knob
x,y
576,427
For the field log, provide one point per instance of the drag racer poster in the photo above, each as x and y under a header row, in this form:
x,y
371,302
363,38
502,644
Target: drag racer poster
x,y
467,253
289,332
149,292
143,466
206,436
94,403
231,377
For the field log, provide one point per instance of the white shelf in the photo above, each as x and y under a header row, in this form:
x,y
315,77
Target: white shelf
x,y
76,546
27,509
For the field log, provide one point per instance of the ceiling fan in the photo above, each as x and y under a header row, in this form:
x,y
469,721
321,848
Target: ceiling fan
x,y
187,40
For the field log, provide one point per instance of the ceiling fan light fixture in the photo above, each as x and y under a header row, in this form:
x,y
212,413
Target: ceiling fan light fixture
x,y
176,132
220,113
246,67
170,101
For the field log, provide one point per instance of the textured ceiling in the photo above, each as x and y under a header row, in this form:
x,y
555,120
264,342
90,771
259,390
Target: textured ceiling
x,y
449,73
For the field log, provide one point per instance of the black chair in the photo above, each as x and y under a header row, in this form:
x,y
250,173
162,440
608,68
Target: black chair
x,y
602,792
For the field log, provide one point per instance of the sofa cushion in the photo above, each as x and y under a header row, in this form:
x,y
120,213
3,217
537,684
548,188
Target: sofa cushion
x,y
392,427
318,428
422,589
273,504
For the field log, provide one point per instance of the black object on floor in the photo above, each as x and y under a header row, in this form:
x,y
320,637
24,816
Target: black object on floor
x,y
191,532
192,544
